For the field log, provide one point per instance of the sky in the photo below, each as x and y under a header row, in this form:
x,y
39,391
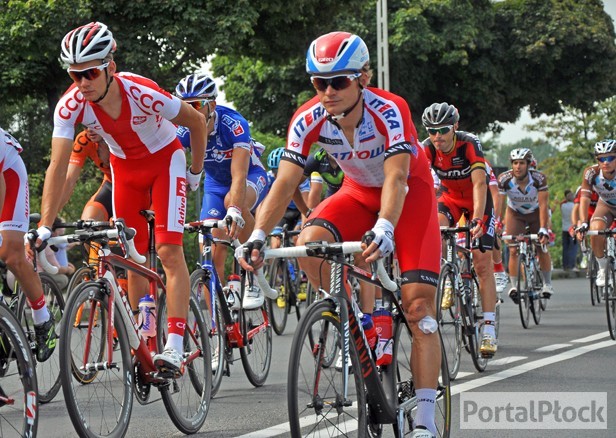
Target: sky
x,y
512,132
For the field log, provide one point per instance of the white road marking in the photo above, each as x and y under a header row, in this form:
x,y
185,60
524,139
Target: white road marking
x,y
506,360
591,338
552,347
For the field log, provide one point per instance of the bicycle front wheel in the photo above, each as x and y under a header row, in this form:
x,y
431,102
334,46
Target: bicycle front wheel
x,y
593,268
449,320
214,323
83,274
318,402
187,398
256,353
610,298
403,345
279,307
18,387
524,288
48,372
102,407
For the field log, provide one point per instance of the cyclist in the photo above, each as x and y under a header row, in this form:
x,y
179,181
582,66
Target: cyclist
x,y
370,133
458,160
322,165
235,180
136,119
14,195
88,144
600,178
524,201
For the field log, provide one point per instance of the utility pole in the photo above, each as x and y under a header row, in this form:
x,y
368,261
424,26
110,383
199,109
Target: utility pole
x,y
382,44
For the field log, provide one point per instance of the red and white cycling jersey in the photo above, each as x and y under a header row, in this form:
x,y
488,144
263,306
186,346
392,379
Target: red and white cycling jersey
x,y
385,130
9,150
143,126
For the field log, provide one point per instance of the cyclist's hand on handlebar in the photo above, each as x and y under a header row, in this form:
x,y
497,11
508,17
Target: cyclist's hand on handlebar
x,y
581,230
477,228
382,242
250,254
544,236
235,221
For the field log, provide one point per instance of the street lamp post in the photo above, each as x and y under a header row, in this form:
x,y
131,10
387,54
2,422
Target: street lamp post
x,y
382,44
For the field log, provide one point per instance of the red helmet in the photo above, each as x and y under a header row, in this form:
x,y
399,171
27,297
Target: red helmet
x,y
336,52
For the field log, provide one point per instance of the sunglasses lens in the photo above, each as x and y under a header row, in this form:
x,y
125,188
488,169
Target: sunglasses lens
x,y
89,74
444,130
607,159
337,83
197,105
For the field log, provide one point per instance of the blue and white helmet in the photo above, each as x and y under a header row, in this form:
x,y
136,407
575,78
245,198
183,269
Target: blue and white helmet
x,y
273,159
197,85
336,52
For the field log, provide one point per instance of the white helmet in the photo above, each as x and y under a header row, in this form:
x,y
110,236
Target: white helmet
x,y
197,85
521,154
605,147
336,52
440,114
86,43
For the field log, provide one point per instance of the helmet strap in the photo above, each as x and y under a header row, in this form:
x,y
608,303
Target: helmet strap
x,y
109,81
338,117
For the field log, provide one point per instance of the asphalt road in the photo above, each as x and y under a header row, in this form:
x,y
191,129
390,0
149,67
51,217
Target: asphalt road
x,y
570,351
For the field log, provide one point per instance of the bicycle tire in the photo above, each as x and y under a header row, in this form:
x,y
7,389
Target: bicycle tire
x,y
187,398
256,354
279,280
405,387
48,372
324,407
449,322
523,291
593,268
474,339
610,297
85,273
535,300
19,417
103,407
199,287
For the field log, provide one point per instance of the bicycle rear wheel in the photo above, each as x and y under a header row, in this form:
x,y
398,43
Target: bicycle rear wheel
x,y
593,268
524,288
199,287
187,398
610,298
279,307
85,273
256,354
449,321
48,372
18,385
405,386
318,403
535,301
101,408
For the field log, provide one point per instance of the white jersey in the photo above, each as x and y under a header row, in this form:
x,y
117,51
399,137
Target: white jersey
x,y
143,127
9,150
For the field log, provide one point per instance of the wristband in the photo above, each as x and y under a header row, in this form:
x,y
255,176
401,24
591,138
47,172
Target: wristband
x,y
257,234
236,207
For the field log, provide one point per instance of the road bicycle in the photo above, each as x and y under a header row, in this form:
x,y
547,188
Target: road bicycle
x,y
230,325
101,339
19,398
356,397
462,323
529,283
609,290
284,277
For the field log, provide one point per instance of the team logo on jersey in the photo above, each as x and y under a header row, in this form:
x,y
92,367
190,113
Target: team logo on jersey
x,y
145,101
71,104
213,212
138,120
180,202
391,115
327,140
219,156
608,186
237,131
457,161
362,155
366,132
306,120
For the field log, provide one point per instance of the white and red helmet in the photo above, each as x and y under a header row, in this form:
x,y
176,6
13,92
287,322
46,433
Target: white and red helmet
x,y
86,43
336,52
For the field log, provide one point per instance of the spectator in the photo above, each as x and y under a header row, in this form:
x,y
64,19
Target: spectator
x,y
570,246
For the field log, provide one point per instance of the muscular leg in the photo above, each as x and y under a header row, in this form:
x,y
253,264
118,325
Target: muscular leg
x,y
13,253
176,271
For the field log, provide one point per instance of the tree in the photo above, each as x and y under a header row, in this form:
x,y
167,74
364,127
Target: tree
x,y
489,59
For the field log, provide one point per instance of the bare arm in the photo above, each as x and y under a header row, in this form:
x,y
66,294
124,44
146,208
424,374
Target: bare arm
x,y
195,122
54,179
237,193
314,196
72,175
2,190
396,169
544,216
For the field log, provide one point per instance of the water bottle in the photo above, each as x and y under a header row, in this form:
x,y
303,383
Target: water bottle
x,y
369,329
233,291
147,316
383,320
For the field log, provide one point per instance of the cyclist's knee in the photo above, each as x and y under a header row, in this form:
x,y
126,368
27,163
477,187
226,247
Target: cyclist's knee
x,y
418,302
483,266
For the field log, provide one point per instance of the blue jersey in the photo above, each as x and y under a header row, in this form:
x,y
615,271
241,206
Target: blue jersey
x,y
231,131
303,187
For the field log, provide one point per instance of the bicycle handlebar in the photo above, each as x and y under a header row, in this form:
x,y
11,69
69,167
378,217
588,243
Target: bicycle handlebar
x,y
208,224
531,237
88,235
313,249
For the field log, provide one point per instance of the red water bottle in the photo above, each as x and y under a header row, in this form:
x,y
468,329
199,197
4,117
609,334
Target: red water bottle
x,y
384,322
